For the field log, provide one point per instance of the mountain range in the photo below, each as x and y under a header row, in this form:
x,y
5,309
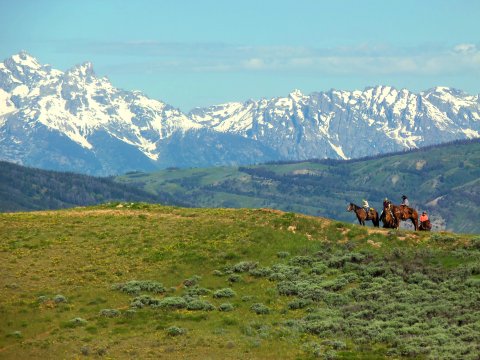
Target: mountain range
x,y
77,121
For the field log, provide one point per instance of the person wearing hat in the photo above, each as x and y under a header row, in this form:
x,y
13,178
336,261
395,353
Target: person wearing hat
x,y
405,201
425,224
423,217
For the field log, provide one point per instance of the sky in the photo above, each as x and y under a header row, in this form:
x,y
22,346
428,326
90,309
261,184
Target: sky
x,y
192,53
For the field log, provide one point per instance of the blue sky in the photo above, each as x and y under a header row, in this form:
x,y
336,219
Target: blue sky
x,y
197,53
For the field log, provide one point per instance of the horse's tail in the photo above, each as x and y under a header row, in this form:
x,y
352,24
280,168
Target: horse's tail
x,y
376,219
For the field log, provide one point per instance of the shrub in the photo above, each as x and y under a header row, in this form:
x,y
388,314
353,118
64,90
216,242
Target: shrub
x,y
226,307
318,269
109,313
144,300
134,287
284,272
78,321
217,273
175,331
42,299
234,278
191,281
59,299
283,254
197,291
244,266
299,304
301,261
172,302
200,305
16,334
287,288
442,238
260,309
475,242
260,272
224,293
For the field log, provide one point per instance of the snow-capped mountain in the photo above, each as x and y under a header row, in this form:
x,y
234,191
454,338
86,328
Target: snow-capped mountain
x,y
349,124
77,121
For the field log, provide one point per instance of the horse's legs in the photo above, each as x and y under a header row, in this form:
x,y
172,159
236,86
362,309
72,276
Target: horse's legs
x,y
415,223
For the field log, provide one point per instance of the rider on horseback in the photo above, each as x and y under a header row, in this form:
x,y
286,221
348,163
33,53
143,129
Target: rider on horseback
x,y
366,206
405,201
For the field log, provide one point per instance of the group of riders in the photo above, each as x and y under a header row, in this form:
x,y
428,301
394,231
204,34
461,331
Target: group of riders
x,y
391,215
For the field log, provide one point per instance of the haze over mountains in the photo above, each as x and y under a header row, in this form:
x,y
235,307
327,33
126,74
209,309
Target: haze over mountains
x,y
76,121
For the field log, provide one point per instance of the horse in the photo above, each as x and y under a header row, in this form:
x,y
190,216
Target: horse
x,y
400,213
425,226
363,215
387,217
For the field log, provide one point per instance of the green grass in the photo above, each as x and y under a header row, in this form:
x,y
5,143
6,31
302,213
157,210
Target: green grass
x,y
304,287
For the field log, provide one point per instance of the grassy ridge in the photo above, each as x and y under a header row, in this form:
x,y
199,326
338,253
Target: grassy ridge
x,y
302,287
444,180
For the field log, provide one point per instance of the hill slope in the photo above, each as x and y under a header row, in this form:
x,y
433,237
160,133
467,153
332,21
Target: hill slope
x,y
23,188
231,284
443,180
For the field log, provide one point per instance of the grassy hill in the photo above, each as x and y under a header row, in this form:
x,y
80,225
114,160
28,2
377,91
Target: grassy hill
x,y
24,188
148,281
444,180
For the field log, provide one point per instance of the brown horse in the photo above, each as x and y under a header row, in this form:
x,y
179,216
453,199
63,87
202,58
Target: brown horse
x,y
362,215
387,217
400,213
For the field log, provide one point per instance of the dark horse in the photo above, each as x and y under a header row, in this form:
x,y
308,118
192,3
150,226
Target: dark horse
x,y
393,214
362,215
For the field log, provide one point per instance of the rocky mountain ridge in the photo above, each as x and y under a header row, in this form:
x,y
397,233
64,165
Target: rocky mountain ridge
x,y
76,121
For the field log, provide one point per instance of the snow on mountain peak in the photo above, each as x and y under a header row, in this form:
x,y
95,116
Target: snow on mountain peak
x,y
296,94
26,60
336,123
85,69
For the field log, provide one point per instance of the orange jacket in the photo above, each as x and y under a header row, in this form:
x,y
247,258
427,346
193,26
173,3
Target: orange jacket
x,y
423,218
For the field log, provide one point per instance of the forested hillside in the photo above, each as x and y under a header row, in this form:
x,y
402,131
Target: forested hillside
x,y
23,188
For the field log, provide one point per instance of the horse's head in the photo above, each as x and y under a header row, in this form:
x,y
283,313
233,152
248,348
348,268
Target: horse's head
x,y
350,207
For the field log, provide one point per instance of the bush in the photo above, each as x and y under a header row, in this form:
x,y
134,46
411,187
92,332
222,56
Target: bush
x,y
43,298
234,278
226,307
59,299
78,321
144,300
197,291
244,266
299,304
283,254
175,331
217,273
224,293
172,302
109,313
287,288
260,272
319,269
191,281
134,287
200,305
260,309
284,272
301,261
